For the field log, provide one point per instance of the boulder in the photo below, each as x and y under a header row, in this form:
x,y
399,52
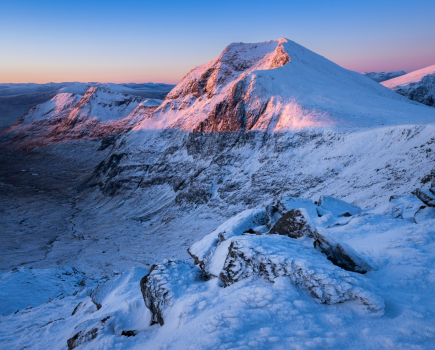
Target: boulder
x,y
294,224
427,196
338,253
270,257
337,207
165,283
405,206
424,214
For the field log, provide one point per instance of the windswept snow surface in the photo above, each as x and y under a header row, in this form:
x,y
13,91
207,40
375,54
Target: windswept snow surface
x,y
250,313
418,85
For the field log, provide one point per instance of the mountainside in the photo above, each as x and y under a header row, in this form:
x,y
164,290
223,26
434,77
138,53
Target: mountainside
x,y
417,86
99,112
383,76
242,170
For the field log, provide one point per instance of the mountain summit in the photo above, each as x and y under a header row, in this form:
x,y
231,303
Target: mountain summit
x,y
278,85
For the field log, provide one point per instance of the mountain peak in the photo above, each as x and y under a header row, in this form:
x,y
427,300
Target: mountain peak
x,y
275,86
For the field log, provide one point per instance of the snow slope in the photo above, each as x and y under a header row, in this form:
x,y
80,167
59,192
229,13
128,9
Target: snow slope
x,y
382,76
418,85
254,312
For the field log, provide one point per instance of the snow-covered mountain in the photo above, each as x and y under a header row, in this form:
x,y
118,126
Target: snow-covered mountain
x,y
417,86
383,76
79,112
243,169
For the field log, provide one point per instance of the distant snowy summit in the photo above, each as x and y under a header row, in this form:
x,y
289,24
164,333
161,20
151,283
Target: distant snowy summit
x,y
417,86
383,76
276,86
80,112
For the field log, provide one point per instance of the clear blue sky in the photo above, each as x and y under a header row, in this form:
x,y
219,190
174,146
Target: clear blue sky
x,y
160,41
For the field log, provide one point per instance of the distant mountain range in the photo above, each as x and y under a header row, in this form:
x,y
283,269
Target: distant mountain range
x,y
382,76
17,99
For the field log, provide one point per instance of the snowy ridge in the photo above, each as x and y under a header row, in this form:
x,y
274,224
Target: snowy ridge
x,y
68,116
418,85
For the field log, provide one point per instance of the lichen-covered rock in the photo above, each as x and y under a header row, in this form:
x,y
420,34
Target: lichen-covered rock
x,y
294,224
165,283
337,207
88,331
427,196
405,206
338,253
277,256
424,214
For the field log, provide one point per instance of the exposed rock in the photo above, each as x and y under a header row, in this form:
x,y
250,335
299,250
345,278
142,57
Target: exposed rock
x,y
89,331
424,214
339,254
427,196
276,256
337,207
166,282
294,224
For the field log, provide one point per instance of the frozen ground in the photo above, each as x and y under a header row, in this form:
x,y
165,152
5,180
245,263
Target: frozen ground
x,y
259,123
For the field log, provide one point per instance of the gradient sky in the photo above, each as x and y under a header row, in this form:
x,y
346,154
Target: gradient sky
x,y
160,41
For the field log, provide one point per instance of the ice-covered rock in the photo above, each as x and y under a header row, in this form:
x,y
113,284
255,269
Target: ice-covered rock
x,y
165,283
427,196
424,214
252,219
337,207
270,257
405,206
294,224
288,203
338,253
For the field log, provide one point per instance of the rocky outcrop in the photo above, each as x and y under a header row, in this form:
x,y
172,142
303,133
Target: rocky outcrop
x,y
427,196
405,206
277,256
340,255
336,207
167,282
294,224
89,331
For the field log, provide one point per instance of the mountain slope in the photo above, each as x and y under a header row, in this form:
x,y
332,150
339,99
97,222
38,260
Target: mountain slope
x,y
68,115
417,86
275,86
